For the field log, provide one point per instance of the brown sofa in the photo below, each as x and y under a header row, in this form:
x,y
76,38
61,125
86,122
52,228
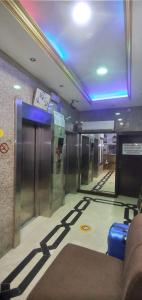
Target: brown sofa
x,y
82,274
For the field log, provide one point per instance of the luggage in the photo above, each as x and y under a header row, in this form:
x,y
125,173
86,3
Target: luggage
x,y
116,240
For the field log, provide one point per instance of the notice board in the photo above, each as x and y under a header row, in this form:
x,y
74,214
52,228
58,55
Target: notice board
x,y
132,149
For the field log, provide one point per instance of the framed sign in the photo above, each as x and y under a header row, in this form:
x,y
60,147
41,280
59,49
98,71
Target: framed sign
x,y
98,125
132,149
59,119
41,99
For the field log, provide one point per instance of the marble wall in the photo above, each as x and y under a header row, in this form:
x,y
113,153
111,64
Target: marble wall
x,y
10,74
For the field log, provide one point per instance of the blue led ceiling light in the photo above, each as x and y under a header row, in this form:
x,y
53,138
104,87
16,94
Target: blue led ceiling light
x,y
109,96
59,49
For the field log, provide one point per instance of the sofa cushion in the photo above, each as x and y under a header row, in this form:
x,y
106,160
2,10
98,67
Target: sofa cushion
x,y
132,278
80,274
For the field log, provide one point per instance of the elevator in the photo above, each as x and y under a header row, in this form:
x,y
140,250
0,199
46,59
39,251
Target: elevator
x,y
85,160
28,172
71,162
33,168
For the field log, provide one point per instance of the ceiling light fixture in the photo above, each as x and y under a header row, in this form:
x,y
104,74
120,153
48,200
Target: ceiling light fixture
x,y
117,113
17,87
120,120
81,13
102,71
121,123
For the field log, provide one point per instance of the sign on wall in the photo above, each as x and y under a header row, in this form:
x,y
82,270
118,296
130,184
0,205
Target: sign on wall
x,y
41,99
1,132
4,148
59,119
98,125
132,149
59,124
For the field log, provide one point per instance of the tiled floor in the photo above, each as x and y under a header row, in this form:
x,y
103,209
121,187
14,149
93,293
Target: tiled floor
x,y
99,216
109,185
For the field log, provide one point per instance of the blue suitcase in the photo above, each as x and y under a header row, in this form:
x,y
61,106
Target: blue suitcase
x,y
116,240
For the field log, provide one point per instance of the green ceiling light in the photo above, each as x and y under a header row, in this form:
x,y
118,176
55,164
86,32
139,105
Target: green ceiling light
x,y
102,71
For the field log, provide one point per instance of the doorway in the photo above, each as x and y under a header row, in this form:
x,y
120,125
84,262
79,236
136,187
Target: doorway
x,y
35,171
130,164
98,163
33,135
71,163
28,173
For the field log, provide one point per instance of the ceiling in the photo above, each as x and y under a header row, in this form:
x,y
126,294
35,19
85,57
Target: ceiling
x,y
86,47
83,49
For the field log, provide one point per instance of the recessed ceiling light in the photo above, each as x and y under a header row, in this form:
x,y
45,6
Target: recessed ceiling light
x,y
102,71
61,86
119,120
121,123
33,59
17,87
81,13
117,113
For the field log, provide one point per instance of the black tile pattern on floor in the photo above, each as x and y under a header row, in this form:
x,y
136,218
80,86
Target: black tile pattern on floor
x,y
6,292
101,183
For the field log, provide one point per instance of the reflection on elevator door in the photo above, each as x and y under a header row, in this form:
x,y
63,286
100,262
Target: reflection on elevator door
x,y
28,173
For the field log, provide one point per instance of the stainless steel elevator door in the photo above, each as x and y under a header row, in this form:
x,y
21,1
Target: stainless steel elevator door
x,y
85,160
28,173
71,163
43,170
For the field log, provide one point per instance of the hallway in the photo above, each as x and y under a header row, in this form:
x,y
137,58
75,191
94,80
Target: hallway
x,y
70,149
